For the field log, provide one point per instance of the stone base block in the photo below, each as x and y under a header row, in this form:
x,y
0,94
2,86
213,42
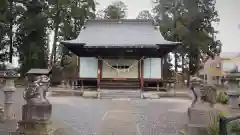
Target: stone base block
x,y
156,95
15,133
203,114
59,93
183,95
90,94
149,95
8,126
193,129
166,94
34,127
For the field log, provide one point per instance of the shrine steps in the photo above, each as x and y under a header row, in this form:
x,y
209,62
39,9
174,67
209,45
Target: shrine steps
x,y
120,84
120,94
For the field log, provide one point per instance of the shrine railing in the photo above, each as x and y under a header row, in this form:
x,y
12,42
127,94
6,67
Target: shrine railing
x,y
223,124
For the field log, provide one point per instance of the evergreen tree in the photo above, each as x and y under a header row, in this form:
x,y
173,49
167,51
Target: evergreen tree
x,y
190,22
116,10
31,36
3,12
67,17
145,14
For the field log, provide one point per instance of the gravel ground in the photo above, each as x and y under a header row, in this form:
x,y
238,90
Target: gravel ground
x,y
77,116
102,117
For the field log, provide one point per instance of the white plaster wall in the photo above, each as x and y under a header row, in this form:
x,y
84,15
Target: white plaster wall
x,y
88,67
108,72
152,68
229,65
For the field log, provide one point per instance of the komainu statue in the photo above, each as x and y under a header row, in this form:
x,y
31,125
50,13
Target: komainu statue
x,y
202,92
209,94
35,92
43,82
31,92
195,86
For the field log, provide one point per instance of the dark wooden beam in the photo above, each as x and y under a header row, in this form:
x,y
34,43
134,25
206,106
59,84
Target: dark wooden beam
x,y
120,52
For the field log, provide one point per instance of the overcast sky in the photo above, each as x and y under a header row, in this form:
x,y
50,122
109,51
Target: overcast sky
x,y
229,13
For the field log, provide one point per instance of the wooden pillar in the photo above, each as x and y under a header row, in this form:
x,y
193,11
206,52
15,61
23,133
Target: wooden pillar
x,y
161,79
162,66
99,73
78,72
78,67
82,85
141,74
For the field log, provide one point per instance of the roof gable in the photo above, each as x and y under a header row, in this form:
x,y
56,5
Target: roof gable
x,y
126,32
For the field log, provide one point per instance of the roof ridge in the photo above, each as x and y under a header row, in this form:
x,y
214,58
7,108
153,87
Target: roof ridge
x,y
117,20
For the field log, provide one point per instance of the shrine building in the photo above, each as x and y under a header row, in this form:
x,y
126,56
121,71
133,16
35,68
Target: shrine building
x,y
120,54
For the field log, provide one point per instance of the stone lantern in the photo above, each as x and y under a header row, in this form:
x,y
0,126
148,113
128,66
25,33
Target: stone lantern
x,y
9,75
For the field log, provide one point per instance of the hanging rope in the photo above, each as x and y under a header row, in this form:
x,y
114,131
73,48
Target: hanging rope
x,y
123,70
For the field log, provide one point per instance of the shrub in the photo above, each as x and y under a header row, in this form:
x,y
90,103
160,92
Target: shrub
x,y
58,131
222,97
213,128
235,126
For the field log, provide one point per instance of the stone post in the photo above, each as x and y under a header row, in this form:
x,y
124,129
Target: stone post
x,y
9,89
1,114
73,85
171,89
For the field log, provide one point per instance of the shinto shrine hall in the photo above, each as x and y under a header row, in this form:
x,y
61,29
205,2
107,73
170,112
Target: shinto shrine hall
x,y
125,54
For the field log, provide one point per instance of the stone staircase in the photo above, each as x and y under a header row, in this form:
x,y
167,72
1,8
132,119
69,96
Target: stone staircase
x,y
120,94
119,84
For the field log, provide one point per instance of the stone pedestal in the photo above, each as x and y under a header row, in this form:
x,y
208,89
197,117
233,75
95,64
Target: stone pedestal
x,y
35,119
36,112
201,116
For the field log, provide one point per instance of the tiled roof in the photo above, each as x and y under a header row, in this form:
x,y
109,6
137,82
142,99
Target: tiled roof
x,y
127,32
229,55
